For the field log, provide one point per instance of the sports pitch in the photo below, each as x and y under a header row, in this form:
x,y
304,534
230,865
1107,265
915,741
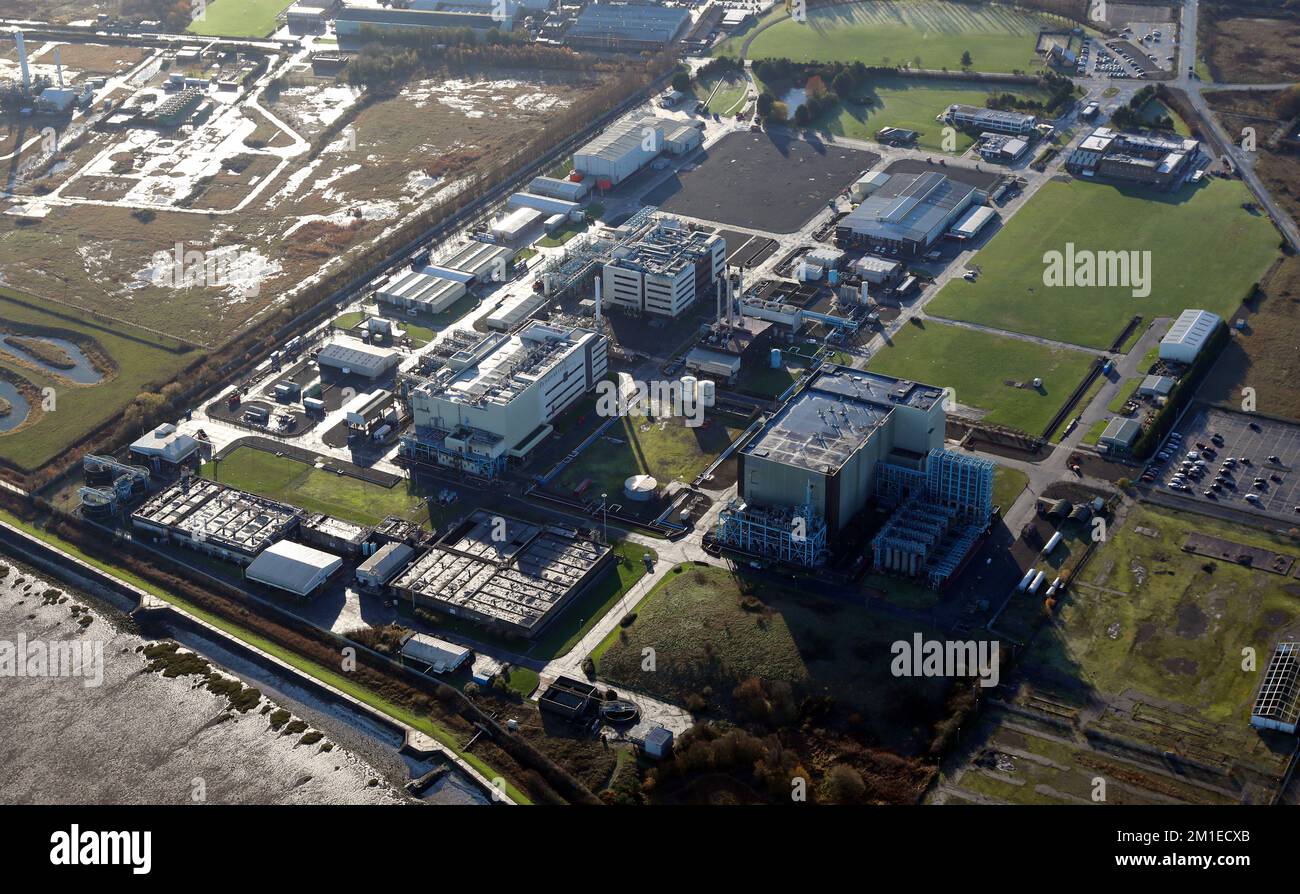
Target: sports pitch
x,y
238,18
977,366
921,33
1206,252
912,104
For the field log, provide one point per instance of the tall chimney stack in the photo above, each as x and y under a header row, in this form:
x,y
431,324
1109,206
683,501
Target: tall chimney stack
x,y
22,61
58,68
598,300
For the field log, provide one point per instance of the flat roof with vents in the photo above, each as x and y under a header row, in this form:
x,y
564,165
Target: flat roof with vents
x,y
821,427
203,511
504,572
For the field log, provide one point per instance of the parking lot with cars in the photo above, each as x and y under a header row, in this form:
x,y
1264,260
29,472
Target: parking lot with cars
x,y
1235,459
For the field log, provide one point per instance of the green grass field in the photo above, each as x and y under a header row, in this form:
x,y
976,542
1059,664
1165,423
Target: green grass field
x,y
1007,485
921,33
239,18
666,449
1206,252
976,364
728,98
1145,615
910,104
283,478
144,363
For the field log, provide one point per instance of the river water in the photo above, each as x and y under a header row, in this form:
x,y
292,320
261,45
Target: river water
x,y
140,737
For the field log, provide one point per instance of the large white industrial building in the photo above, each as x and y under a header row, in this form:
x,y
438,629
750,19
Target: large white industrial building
x,y
293,567
1188,335
847,438
351,356
499,402
621,150
664,269
909,213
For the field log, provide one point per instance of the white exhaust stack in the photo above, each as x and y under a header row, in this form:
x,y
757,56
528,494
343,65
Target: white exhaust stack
x,y
58,68
22,61
597,300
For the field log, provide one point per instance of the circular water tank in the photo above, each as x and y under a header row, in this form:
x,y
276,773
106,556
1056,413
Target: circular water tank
x,y
640,488
689,384
708,390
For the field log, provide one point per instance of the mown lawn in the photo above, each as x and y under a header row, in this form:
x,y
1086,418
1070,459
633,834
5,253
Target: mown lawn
x,y
239,18
342,496
665,448
143,363
921,33
977,365
1206,252
911,104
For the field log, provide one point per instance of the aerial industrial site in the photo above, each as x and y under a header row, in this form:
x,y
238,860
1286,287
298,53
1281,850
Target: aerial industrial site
x,y
718,402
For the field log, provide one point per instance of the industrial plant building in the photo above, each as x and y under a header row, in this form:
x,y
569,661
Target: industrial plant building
x,y
850,437
627,26
509,575
620,150
908,214
165,450
663,269
215,519
351,23
501,396
998,148
978,120
1147,159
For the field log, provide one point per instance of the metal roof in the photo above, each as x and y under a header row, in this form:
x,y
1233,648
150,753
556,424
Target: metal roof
x,y
1193,327
293,566
909,207
629,22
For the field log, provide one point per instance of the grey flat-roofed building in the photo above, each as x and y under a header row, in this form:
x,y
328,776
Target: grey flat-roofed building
x,y
824,446
383,564
507,574
1120,433
994,120
627,26
354,21
909,213
216,519
1153,160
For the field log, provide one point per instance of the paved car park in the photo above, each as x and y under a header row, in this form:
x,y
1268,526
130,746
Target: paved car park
x,y
1248,439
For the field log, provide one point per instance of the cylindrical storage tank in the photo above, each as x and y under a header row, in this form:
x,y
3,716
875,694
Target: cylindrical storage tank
x,y
689,384
1052,543
708,391
640,488
774,358
1025,581
1038,581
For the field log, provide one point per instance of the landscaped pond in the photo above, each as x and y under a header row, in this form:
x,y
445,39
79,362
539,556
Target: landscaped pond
x,y
16,404
29,350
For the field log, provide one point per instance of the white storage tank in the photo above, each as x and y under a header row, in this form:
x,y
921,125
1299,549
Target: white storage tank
x,y
708,392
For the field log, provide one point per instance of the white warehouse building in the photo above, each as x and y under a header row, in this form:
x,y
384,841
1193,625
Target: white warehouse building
x,y
664,269
501,403
420,290
348,355
1188,335
621,150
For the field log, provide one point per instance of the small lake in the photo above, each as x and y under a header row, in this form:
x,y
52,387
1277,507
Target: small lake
x,y
20,407
793,98
83,372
